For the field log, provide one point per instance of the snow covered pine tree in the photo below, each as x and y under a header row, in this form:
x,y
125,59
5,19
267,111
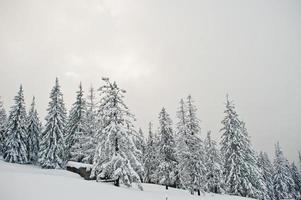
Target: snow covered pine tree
x,y
214,166
34,133
16,133
77,128
282,180
267,171
88,140
166,171
191,168
116,154
297,180
241,173
3,121
52,145
150,161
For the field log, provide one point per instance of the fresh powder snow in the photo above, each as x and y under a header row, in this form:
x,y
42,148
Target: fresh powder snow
x,y
28,182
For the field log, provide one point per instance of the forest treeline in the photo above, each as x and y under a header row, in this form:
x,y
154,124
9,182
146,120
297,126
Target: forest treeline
x,y
99,130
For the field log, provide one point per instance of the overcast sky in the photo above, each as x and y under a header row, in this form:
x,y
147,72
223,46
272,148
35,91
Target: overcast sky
x,y
161,51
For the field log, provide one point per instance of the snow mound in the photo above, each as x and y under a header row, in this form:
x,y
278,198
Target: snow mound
x,y
26,182
78,165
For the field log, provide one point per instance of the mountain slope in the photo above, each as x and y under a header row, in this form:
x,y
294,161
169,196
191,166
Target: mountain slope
x,y
26,182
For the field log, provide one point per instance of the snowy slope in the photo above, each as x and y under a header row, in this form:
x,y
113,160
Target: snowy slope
x,y
26,182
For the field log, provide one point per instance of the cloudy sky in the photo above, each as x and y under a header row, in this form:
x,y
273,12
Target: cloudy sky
x,y
161,51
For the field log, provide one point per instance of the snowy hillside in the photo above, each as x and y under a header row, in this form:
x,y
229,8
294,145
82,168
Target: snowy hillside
x,y
26,182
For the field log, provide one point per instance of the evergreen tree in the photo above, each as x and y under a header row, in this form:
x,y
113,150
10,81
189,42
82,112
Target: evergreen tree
x,y
267,171
52,145
16,134
116,153
297,180
241,173
150,161
213,163
88,140
183,179
191,166
3,122
282,179
166,172
34,133
77,128
140,142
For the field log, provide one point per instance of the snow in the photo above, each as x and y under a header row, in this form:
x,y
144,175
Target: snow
x,y
27,182
78,165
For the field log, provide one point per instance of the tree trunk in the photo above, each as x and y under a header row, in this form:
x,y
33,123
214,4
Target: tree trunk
x,y
199,192
166,187
116,183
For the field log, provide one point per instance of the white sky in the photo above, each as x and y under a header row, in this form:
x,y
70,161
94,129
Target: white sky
x,y
161,51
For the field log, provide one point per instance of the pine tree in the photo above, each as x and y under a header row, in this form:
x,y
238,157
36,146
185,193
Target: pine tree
x,y
116,153
77,128
213,163
16,134
139,142
241,173
297,180
150,161
52,146
166,172
88,140
3,122
267,171
191,166
183,154
282,179
34,133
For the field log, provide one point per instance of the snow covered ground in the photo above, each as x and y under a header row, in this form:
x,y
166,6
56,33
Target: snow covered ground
x,y
27,182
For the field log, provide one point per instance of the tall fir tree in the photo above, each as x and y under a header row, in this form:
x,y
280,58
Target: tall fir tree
x,y
3,122
34,133
166,171
183,178
77,127
191,168
267,171
282,179
89,140
52,145
116,153
241,173
15,149
296,175
214,166
150,161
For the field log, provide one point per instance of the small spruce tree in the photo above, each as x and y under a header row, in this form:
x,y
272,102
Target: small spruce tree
x,y
166,171
3,122
282,180
16,134
34,133
150,161
213,163
77,128
297,180
52,144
